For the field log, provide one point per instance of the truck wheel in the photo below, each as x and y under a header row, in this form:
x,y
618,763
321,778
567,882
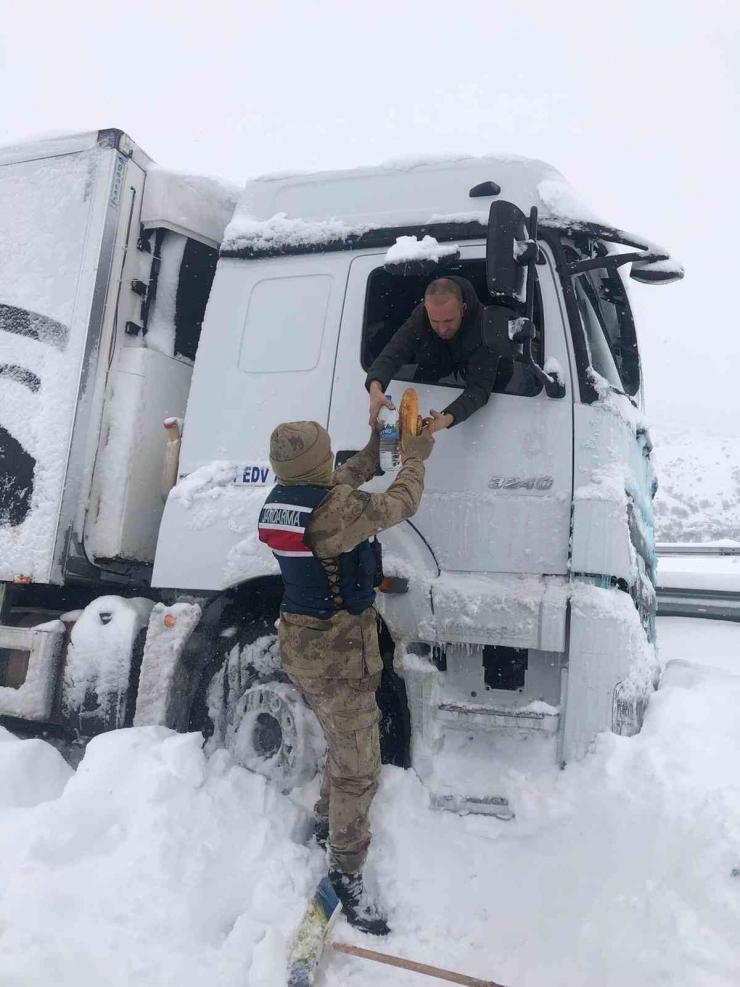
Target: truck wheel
x,y
275,734
240,659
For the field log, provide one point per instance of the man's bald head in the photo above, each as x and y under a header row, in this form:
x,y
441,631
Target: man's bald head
x,y
443,301
442,289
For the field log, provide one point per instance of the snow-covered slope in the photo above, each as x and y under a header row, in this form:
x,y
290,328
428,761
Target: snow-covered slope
x,y
699,485
159,867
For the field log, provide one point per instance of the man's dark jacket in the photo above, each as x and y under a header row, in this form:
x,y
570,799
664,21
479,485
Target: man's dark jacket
x,y
463,355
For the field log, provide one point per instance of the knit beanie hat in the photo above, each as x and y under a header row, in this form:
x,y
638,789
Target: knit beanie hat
x,y
299,451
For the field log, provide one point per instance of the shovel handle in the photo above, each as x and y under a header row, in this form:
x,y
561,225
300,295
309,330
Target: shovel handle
x,y
398,961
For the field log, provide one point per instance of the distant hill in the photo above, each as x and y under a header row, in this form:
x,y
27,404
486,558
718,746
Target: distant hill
x,y
698,495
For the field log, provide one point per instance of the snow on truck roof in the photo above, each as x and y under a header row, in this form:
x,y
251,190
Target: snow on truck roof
x,y
47,146
194,205
283,211
198,206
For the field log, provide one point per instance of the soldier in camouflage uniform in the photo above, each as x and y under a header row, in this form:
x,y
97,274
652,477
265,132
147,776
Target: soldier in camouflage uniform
x,y
318,524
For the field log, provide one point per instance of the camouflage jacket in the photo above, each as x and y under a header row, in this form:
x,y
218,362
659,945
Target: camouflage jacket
x,y
348,515
346,645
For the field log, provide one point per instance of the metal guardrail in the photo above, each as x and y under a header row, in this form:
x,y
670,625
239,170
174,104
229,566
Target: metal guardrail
x,y
712,604
707,603
696,549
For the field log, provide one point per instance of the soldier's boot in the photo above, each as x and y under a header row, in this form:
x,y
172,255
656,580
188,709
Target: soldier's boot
x,y
360,909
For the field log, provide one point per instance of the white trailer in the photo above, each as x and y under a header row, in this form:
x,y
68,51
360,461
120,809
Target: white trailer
x,y
519,621
106,262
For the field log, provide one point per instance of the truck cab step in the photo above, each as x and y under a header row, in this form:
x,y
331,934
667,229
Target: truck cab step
x,y
530,717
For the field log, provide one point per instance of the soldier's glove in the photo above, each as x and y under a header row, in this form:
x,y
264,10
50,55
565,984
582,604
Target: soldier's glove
x,y
418,446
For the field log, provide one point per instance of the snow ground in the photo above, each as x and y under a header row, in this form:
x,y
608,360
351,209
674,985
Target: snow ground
x,y
709,642
153,865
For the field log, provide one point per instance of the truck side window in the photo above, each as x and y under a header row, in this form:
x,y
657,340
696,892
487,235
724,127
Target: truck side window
x,y
390,300
182,273
606,318
196,277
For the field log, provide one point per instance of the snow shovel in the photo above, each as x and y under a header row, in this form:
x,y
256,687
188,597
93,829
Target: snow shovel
x,y
424,968
311,937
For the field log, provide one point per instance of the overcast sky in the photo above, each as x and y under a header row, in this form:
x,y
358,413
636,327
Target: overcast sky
x,y
635,101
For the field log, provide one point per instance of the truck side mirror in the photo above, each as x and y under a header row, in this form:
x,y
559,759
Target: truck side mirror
x,y
511,255
505,273
656,272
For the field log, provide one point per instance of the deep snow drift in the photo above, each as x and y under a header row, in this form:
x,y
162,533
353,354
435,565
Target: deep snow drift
x,y
153,865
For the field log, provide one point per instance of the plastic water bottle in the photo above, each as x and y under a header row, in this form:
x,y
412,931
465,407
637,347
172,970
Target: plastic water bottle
x,y
390,439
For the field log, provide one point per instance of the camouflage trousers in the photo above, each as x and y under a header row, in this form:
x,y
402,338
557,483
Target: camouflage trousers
x,y
348,713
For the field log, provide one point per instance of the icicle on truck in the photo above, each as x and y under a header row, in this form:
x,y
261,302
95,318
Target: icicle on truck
x,y
518,611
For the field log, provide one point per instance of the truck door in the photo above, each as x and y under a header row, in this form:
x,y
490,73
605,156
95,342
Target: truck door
x,y
266,355
498,486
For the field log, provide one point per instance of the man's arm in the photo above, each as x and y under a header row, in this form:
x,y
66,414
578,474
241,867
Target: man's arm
x,y
347,517
482,367
400,349
361,466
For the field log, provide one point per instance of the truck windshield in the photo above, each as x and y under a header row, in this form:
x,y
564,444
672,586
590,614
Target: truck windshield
x,y
606,317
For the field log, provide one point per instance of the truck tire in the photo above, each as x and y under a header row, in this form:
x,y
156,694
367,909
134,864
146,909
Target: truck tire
x,y
228,673
245,664
276,735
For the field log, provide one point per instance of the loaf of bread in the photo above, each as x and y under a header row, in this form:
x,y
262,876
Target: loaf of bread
x,y
409,418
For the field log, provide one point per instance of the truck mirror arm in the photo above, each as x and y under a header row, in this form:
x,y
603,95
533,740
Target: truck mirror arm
x,y
525,251
522,331
613,261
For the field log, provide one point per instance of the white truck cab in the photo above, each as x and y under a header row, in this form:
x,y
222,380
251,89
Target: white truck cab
x,y
521,618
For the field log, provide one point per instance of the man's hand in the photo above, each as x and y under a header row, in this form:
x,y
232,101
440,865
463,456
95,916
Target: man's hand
x,y
378,400
439,421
